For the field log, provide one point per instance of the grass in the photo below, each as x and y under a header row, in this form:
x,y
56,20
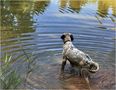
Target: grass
x,y
9,79
30,62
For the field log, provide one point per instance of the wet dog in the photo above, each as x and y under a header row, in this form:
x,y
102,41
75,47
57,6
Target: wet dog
x,y
76,57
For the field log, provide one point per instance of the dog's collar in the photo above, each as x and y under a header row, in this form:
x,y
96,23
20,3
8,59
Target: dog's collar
x,y
67,41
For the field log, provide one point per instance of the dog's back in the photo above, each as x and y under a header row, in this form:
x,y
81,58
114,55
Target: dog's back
x,y
73,54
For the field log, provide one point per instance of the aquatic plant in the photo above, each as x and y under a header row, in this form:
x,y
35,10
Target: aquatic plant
x,y
30,62
9,78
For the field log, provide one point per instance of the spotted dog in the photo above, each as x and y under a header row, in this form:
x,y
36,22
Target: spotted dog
x,y
76,57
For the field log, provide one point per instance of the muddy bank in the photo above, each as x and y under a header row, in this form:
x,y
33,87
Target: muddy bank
x,y
49,78
104,79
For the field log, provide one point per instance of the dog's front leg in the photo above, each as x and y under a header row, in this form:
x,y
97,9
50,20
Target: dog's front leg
x,y
63,64
62,68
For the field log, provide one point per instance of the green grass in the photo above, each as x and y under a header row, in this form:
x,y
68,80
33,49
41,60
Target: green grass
x,y
9,79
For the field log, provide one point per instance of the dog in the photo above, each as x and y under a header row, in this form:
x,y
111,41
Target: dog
x,y
76,57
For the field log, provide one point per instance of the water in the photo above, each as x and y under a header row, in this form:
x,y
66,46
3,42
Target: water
x,y
36,27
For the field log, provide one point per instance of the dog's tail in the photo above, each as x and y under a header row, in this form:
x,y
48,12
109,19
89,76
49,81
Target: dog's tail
x,y
94,67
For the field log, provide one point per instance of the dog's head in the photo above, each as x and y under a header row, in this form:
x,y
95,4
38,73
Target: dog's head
x,y
67,37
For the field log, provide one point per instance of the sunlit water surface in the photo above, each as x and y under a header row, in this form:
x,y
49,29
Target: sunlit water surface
x,y
36,28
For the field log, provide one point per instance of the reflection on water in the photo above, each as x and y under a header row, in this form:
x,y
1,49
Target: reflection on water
x,y
38,26
17,18
72,4
103,7
76,5
63,3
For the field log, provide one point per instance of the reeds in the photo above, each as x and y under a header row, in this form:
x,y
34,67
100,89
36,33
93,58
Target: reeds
x,y
30,62
9,78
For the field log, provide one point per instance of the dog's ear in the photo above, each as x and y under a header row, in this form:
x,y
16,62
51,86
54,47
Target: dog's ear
x,y
72,38
62,37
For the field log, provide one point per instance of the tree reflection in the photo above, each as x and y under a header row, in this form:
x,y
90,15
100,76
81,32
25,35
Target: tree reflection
x,y
76,4
113,5
104,5
63,3
17,16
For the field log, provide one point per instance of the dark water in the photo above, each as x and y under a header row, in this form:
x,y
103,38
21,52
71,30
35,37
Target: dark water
x,y
36,27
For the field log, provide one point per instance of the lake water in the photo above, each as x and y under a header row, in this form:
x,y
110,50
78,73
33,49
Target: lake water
x,y
36,27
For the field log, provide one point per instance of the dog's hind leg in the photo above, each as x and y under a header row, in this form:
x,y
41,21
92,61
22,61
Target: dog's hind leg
x,y
72,65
